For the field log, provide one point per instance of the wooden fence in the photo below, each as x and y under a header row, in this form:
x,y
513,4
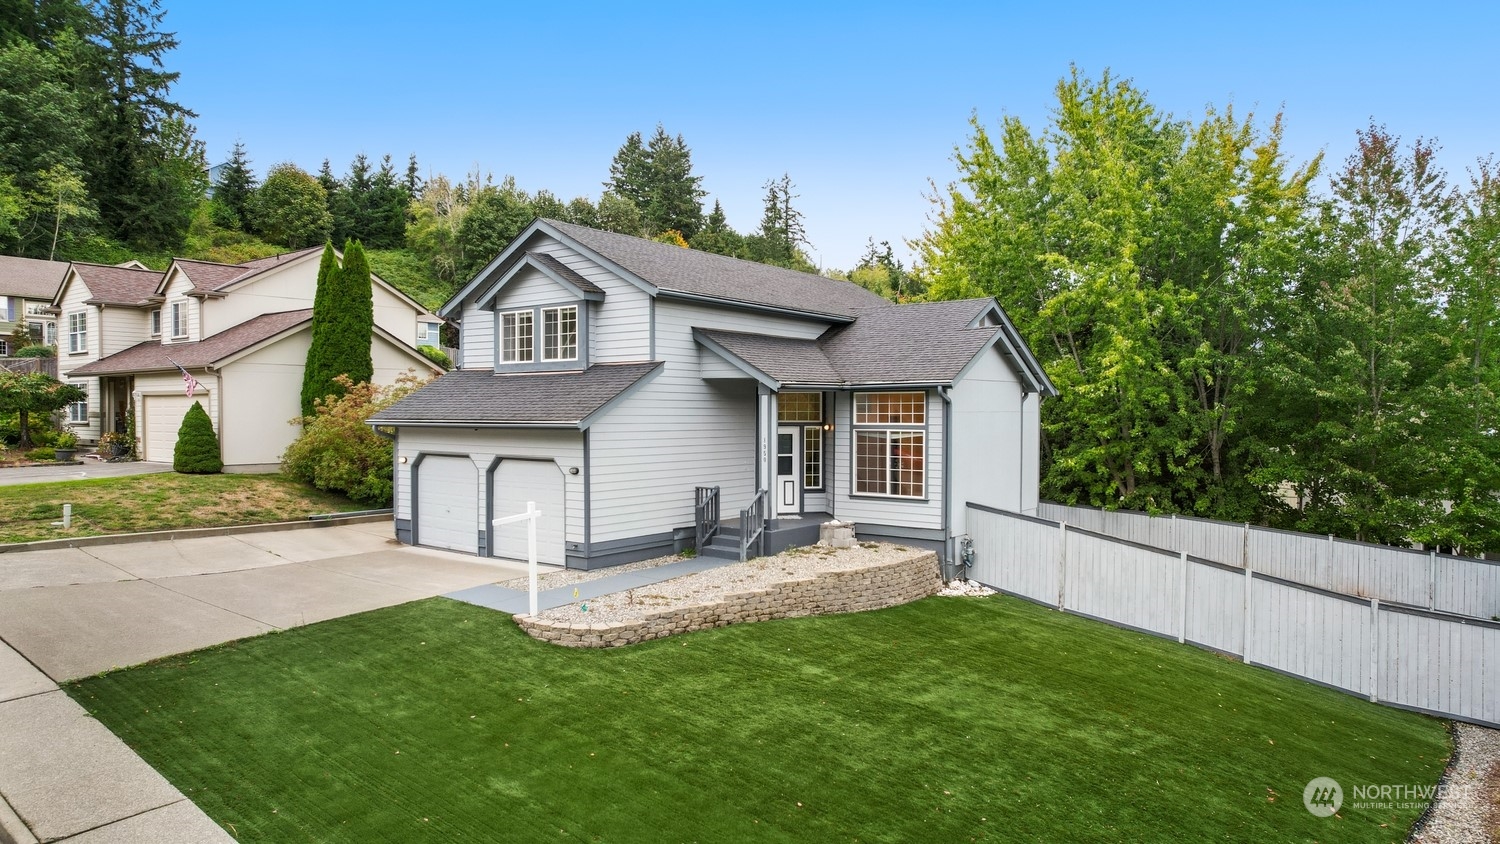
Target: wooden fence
x,y
46,366
1410,657
1425,579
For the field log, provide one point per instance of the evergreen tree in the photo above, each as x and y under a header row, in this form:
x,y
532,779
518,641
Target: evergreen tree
x,y
413,181
351,205
197,449
342,324
236,185
675,195
329,181
630,173
135,174
388,207
782,234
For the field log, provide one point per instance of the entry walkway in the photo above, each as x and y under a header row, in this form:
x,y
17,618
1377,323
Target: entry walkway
x,y
517,601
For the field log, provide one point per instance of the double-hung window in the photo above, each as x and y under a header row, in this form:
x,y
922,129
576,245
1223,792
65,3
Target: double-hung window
x,y
179,320
890,444
78,332
156,323
78,411
516,337
560,333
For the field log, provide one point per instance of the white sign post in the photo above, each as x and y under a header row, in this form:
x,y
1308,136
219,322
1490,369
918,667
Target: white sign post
x,y
531,515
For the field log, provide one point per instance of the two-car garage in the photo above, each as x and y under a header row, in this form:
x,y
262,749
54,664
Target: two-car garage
x,y
449,493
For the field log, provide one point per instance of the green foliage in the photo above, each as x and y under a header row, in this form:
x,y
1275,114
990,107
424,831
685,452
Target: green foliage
x,y
42,455
437,356
657,178
35,352
879,271
406,270
197,449
782,234
209,240
337,451
33,392
291,208
234,190
342,322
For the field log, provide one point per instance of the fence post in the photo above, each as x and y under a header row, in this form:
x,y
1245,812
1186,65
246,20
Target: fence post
x,y
1249,585
1374,648
1432,579
1182,608
1245,548
1172,534
1062,563
1325,571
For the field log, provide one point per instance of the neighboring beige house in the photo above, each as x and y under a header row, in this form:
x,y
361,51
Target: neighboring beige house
x,y
242,331
27,286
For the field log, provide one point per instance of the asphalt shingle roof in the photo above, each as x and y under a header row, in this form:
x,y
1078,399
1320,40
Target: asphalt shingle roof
x,y
118,285
567,272
480,396
717,276
209,276
927,342
31,278
154,355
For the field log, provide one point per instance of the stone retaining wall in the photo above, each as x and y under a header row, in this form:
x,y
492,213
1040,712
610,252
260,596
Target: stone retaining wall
x,y
851,590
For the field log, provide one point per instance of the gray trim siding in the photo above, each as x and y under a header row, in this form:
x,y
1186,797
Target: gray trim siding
x,y
538,334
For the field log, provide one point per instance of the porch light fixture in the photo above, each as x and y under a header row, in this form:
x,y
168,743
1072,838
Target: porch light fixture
x,y
403,458
828,426
573,470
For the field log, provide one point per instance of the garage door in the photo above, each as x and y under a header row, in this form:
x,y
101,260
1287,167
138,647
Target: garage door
x,y
447,514
163,415
517,482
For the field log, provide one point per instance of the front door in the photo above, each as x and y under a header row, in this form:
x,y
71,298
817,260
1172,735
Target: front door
x,y
788,470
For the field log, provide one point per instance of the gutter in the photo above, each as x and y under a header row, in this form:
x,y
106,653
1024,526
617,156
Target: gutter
x,y
949,565
819,316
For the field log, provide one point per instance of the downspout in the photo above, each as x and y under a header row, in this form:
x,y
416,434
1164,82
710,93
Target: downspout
x,y
1021,456
219,407
949,566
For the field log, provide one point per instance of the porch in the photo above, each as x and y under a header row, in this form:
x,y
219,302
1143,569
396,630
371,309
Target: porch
x,y
754,532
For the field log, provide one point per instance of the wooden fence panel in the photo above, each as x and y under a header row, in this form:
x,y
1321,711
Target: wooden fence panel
x,y
1014,554
1311,634
1217,541
1371,571
1122,583
1468,587
1440,665
1216,608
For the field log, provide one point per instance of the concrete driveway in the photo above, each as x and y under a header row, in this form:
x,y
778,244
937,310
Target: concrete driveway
x,y
69,613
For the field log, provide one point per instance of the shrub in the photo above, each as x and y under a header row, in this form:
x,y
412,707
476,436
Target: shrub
x,y
437,356
337,451
41,454
35,352
197,451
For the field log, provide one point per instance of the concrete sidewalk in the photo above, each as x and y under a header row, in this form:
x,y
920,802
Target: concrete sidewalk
x,y
67,613
82,470
518,601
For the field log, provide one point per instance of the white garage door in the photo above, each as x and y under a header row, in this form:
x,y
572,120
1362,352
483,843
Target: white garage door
x,y
448,503
520,481
163,415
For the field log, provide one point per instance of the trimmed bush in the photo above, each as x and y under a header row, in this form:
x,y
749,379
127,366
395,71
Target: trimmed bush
x,y
437,356
34,352
197,451
41,455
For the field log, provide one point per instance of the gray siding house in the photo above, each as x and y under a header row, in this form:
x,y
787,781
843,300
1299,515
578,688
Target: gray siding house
x,y
635,390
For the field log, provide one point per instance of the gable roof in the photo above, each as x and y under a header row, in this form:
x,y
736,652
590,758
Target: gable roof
x,y
547,265
479,397
153,355
664,269
117,285
214,277
917,343
31,278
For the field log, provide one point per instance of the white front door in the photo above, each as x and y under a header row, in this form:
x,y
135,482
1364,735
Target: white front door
x,y
788,488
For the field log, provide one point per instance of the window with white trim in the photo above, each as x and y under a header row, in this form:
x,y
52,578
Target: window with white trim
x,y
78,411
797,409
890,444
78,332
51,334
4,347
560,333
179,320
516,336
156,323
812,457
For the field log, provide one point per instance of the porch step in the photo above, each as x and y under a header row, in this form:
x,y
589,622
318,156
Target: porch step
x,y
722,546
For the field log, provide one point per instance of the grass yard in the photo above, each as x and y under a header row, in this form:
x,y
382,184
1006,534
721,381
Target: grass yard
x,y
944,720
158,502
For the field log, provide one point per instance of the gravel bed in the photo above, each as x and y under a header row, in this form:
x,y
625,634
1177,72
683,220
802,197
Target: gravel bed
x,y
1468,808
549,579
708,586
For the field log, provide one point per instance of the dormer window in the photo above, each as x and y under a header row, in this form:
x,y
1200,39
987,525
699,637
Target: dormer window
x,y
560,333
516,337
179,321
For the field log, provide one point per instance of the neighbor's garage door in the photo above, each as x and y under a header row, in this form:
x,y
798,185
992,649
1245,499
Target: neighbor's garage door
x,y
517,482
163,415
448,503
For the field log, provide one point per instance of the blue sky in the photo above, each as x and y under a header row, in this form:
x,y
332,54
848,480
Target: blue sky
x,y
860,103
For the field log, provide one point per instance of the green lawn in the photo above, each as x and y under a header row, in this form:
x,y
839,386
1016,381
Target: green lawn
x,y
943,720
158,502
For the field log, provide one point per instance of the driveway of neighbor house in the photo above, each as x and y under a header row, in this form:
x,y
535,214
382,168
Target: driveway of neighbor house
x,y
70,612
78,471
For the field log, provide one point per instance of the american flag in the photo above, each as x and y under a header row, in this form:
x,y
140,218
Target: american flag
x,y
187,379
